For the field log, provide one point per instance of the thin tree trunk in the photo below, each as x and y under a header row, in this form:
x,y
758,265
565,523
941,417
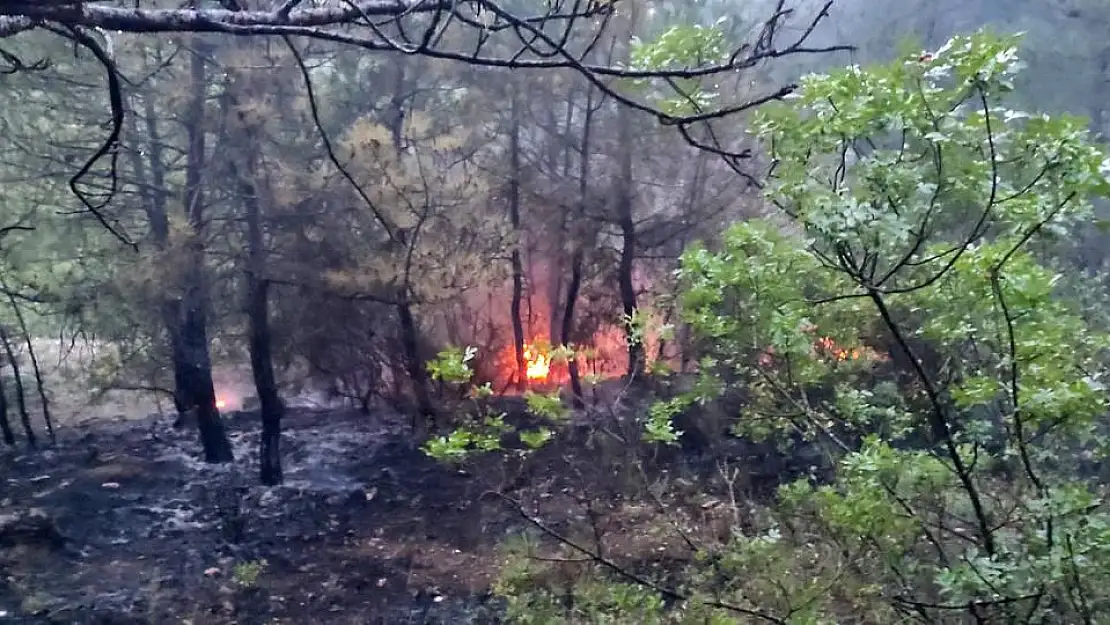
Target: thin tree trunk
x,y
554,275
661,351
257,304
578,258
198,394
158,216
395,118
568,128
627,224
568,324
515,258
410,332
5,424
410,341
39,384
1102,90
261,355
558,306
155,196
625,209
697,186
21,400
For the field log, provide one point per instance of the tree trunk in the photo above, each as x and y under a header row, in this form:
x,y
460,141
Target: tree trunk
x,y
568,324
261,345
556,267
1102,90
257,304
515,258
626,222
261,352
410,341
21,400
196,390
578,258
5,424
558,306
625,209
395,113
262,367
39,384
158,216
410,332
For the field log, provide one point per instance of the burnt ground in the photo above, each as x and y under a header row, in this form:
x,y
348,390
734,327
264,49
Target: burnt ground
x,y
366,528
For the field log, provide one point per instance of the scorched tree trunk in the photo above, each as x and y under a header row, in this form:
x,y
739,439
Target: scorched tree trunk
x,y
197,393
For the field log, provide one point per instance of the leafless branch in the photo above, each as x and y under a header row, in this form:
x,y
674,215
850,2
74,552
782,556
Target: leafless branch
x,y
110,146
561,35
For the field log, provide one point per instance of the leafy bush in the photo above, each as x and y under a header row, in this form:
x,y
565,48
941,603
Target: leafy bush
x,y
905,318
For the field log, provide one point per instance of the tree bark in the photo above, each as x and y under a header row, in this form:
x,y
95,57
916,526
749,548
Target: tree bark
x,y
410,341
395,115
515,313
565,230
5,424
568,324
261,345
1102,89
261,353
257,301
158,217
21,400
197,392
625,210
410,331
39,384
627,224
578,257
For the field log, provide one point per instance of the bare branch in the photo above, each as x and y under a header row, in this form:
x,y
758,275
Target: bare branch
x,y
110,146
562,35
16,64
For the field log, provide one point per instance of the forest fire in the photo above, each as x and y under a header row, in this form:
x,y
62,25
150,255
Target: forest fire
x,y
538,364
829,347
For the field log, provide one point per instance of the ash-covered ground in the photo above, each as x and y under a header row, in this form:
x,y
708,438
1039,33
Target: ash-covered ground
x,y
366,529
121,524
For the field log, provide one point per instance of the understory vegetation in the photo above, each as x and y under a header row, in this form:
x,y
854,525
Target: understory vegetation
x,y
907,321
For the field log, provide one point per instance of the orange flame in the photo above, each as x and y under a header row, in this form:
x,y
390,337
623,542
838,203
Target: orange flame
x,y
538,365
221,403
829,348
826,347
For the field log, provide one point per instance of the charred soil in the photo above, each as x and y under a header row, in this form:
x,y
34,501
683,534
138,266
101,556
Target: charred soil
x,y
120,523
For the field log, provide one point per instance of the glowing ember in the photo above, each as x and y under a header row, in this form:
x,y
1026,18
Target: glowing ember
x,y
538,365
221,403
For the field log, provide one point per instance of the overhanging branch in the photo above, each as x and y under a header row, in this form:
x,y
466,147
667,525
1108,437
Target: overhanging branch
x,y
560,36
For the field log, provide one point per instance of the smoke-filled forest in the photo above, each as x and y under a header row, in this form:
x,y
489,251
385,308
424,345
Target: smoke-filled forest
x,y
577,311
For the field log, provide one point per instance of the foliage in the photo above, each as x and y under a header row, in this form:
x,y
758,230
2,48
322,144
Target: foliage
x,y
682,46
483,427
246,574
905,319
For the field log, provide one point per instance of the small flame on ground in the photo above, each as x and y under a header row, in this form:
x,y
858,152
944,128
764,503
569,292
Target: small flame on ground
x,y
221,403
538,365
